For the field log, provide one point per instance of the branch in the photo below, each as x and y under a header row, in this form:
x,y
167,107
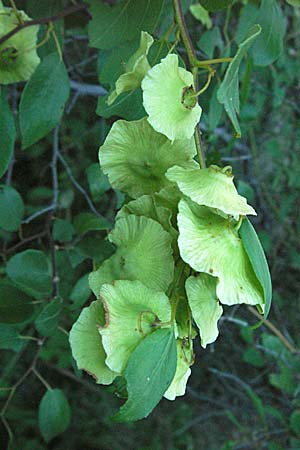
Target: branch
x,y
44,20
88,89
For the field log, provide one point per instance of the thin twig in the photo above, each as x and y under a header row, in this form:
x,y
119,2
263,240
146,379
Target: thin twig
x,y
38,213
44,20
25,241
77,185
274,330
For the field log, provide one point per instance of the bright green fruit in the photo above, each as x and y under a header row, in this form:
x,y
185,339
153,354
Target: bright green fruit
x,y
18,56
132,310
211,187
143,253
148,206
86,343
169,99
210,243
135,69
184,361
205,307
136,158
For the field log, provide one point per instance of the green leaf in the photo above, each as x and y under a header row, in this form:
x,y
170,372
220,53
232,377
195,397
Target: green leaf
x,y
85,222
295,421
30,272
201,14
81,292
7,133
215,5
150,370
215,110
112,25
98,182
54,414
10,338
128,105
63,230
11,208
228,92
15,306
47,321
210,40
43,100
254,357
258,260
269,44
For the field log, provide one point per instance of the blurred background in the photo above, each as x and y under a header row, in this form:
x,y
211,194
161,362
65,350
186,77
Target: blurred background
x,y
244,391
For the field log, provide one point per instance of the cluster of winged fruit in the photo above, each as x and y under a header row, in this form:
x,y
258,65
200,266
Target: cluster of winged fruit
x,y
179,254
18,56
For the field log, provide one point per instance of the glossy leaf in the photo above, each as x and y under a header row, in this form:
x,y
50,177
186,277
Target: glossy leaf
x,y
54,414
111,25
7,133
228,92
15,306
258,260
11,208
30,272
43,100
149,372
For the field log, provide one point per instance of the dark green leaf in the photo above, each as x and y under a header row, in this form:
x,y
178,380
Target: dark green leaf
x,y
111,62
149,373
112,25
258,260
269,44
215,110
47,321
15,306
7,133
54,414
215,5
128,105
30,272
210,40
295,421
98,182
10,338
11,209
81,292
228,92
254,357
63,230
43,100
85,222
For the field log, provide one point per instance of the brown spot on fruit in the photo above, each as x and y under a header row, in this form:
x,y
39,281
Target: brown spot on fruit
x,y
211,270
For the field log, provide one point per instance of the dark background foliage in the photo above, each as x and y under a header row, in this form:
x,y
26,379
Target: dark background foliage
x,y
244,392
